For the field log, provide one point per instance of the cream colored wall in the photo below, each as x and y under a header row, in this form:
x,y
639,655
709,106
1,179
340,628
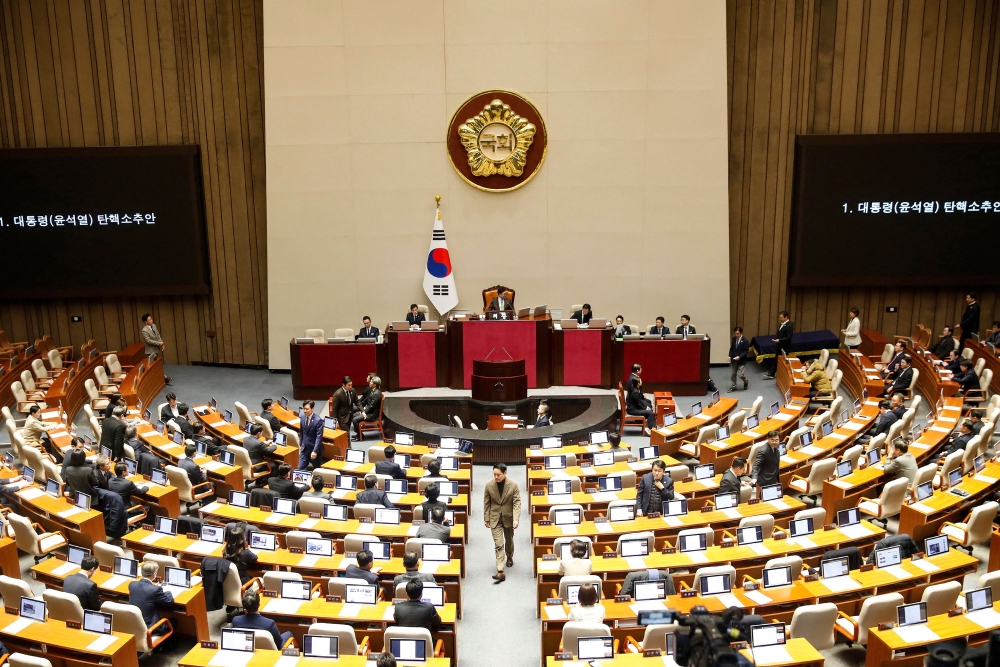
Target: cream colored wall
x,y
628,212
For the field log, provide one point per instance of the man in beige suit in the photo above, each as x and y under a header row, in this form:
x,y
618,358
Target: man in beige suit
x,y
502,510
151,338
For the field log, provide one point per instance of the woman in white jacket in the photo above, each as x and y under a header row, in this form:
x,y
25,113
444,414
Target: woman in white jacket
x,y
852,334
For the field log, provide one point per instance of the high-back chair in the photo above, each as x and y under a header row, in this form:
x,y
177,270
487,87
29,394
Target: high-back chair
x,y
12,590
338,585
853,454
754,408
25,660
574,630
876,609
355,542
881,361
710,571
765,521
654,637
318,335
952,461
817,514
296,539
794,563
345,333
649,535
941,597
396,632
736,421
272,579
707,531
976,528
347,641
795,438
924,474
815,623
55,360
971,451
162,561
186,491
628,478
63,606
105,553
888,504
560,541
250,471
811,486
127,619
705,434
37,544
581,579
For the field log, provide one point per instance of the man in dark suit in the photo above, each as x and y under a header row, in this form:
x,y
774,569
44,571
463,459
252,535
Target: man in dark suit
x,y
500,302
283,485
194,471
685,329
311,434
388,466
150,597
966,376
892,367
81,586
363,569
414,613
654,489
658,329
637,404
886,418
113,434
169,410
123,486
267,415
367,331
904,375
372,495
628,588
583,315
961,440
945,344
782,342
953,362
739,349
250,619
767,464
731,479
621,329
257,449
994,337
415,317
211,444
187,430
344,403
368,406
970,319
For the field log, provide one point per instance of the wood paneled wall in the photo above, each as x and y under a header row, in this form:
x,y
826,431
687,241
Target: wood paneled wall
x,y
846,67
149,72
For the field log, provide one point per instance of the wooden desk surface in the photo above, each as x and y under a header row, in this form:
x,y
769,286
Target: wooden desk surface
x,y
800,650
320,609
203,657
712,414
54,633
600,499
638,467
174,452
106,581
943,500
789,414
218,426
36,496
413,473
883,643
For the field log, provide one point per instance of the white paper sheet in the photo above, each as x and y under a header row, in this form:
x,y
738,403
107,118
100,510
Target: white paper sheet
x,y
897,571
787,459
274,517
758,597
31,494
752,433
638,465
64,569
548,566
840,484
308,523
287,661
570,530
853,426
838,437
856,531
709,483
152,538
811,450
603,527
915,634
308,561
213,465
17,626
65,514
759,549
429,567
647,605
365,528
729,600
605,496
282,606
771,655
560,499
218,424
231,659
636,562
555,612
293,422
702,416
697,556
841,584
593,448
985,618
211,507
203,548
985,480
920,507
782,417
803,542
114,581
351,466
175,590
925,565
780,504
240,436
733,513
101,643
673,521
340,493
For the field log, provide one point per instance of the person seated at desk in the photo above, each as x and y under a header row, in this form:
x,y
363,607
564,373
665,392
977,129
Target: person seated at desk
x,y
577,564
635,375
583,315
212,446
435,528
34,427
268,416
150,598
960,441
904,375
621,329
977,421
415,317
102,466
637,404
257,449
432,493
732,479
169,410
236,552
75,443
80,477
994,337
136,443
628,587
966,377
363,569
543,418
500,303
952,362
815,375
388,466
368,406
250,619
900,464
886,418
415,613
372,495
896,405
81,586
588,606
123,486
367,331
889,371
945,344
411,563
434,471
685,329
316,490
283,485
658,329
182,421
654,488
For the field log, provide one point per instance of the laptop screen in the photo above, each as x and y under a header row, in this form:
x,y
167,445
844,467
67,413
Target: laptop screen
x,y
753,421
177,576
320,646
888,557
448,462
806,439
414,650
649,590
911,614
775,408
126,567
284,506
262,541
387,516
777,576
770,492
722,433
33,609
158,476
360,593
52,488
76,554
301,476
237,640
716,584
433,595
95,621
595,648
610,483
227,458
954,476
621,513
166,525
979,463
848,517
724,501
319,546
604,459
29,474
335,512
380,550
294,590
131,465
555,462
669,419
598,437
874,456
354,456
675,507
925,490
770,634
567,517
402,460
347,482
552,442
934,546
397,486
844,468
706,471
239,499
801,526
448,489
981,598
827,428
560,487
213,534
835,567
280,438
750,535
404,438
647,453
696,408
436,553
634,547
449,443
692,542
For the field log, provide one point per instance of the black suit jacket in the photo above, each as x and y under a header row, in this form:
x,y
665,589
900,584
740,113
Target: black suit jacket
x,y
680,330
194,472
739,348
657,331
256,449
124,488
211,444
387,467
970,320
416,614
355,572
960,442
186,429
273,421
766,466
79,585
543,420
885,421
415,320
902,380
113,437
258,622
374,497
730,482
495,304
166,415
944,345
370,402
286,488
368,332
343,407
149,598
784,337
581,318
646,490
636,400
967,380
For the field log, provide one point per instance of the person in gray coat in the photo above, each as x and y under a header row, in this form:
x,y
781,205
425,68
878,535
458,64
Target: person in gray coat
x,y
900,464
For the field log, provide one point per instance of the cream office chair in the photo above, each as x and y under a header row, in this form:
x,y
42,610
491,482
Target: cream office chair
x,y
924,474
345,333
876,609
555,508
266,425
272,579
888,504
853,454
42,376
25,660
12,590
115,370
338,585
654,637
55,360
189,493
883,360
296,539
819,420
831,367
970,453
628,478
127,619
817,514
365,511
979,366
97,402
952,461
754,409
106,553
811,486
678,473
815,623
795,438
423,309
647,534
572,309
161,561
581,579
251,472
311,506
705,434
347,641
243,412
795,564
23,400
824,358
396,632
765,521
560,541
707,531
710,571
976,528
941,597
736,421
63,606
355,542
318,335
573,631
875,443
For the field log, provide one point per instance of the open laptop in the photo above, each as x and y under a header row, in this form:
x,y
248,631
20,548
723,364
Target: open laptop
x,y
333,512
95,621
801,527
770,492
715,584
848,517
610,483
835,567
380,550
234,639
649,590
981,598
411,650
773,577
689,543
360,593
319,546
320,646
750,535
937,545
675,507
595,648
559,487
567,517
706,471
911,614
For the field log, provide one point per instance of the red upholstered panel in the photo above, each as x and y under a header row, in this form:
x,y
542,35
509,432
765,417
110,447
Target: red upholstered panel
x,y
664,360
326,365
417,360
582,357
479,338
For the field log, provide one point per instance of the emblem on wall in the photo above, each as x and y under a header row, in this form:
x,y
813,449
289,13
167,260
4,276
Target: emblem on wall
x,y
497,141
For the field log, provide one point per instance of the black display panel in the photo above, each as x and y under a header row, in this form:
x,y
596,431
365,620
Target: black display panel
x,y
894,210
115,221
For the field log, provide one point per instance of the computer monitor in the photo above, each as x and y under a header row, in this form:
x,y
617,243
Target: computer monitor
x,y
201,448
347,483
722,433
330,423
319,546
649,590
716,584
227,458
228,416
435,553
690,543
83,500
213,534
874,456
595,648
598,437
848,517
806,439
178,439
954,477
280,438
177,576
634,547
402,460
320,646
333,512
447,489
777,576
911,614
449,443
655,617
237,640
555,462
96,621
552,442
649,453
76,554
775,408
397,486
126,567
768,634
696,409
621,513
567,517
888,557
388,516
724,501
827,428
214,404
239,499
835,567
284,506
404,438
52,487
166,525
360,593
604,459
448,462
770,492
934,546
262,541
302,477
33,609
750,535
675,507
295,589
669,419
801,527
158,476
380,550
706,471
411,650
844,468
433,595
559,487
925,490
131,465
979,463
981,598
354,456
610,483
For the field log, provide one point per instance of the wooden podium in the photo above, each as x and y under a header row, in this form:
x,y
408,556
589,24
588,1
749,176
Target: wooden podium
x,y
499,381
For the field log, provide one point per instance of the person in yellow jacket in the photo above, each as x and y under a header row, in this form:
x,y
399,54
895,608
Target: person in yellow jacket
x,y
816,377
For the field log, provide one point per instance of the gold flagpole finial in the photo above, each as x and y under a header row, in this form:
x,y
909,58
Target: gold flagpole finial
x,y
437,198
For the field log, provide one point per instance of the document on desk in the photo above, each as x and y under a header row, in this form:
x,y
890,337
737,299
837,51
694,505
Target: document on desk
x,y
240,436
365,528
287,661
758,597
673,521
771,655
917,634
230,658
897,571
218,424
114,581
940,429
352,466
570,530
733,513
176,591
665,431
213,465
985,480
709,483
697,556
340,494
840,484
308,523
429,567
636,562
560,499
947,419
293,422
152,538
853,426
64,569
782,417
67,513
856,531
638,465
803,542
102,643
548,566
605,496
780,504
57,434
283,606
211,507
985,618
753,434
787,459
31,494
811,450
647,605
308,561
839,437
925,565
759,549
394,497
603,527
17,626
730,600
274,517
593,448
389,614
841,584
702,416
920,507
555,612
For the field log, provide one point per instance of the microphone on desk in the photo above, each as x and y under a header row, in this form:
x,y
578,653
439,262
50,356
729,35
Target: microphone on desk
x,y
508,353
486,358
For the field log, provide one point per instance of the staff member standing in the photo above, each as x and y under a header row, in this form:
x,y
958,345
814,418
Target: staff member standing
x,y
768,462
783,342
654,489
970,319
344,403
310,436
502,510
738,351
151,337
852,334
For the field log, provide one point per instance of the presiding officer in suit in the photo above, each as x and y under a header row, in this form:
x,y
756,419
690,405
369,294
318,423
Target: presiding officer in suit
x,y
502,512
367,331
81,586
583,315
311,434
500,303
250,619
731,478
414,613
415,317
768,462
659,329
654,489
150,597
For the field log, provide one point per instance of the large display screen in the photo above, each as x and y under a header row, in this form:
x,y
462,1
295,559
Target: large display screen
x,y
78,222
895,210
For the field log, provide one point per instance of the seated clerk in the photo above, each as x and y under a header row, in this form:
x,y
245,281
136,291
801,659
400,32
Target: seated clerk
x,y
367,330
415,317
583,315
889,372
411,565
372,495
82,586
194,471
363,570
250,619
414,613
903,377
659,329
79,476
994,337
966,376
388,466
500,303
685,327
621,329
212,446
900,464
977,421
283,485
732,479
637,404
543,418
